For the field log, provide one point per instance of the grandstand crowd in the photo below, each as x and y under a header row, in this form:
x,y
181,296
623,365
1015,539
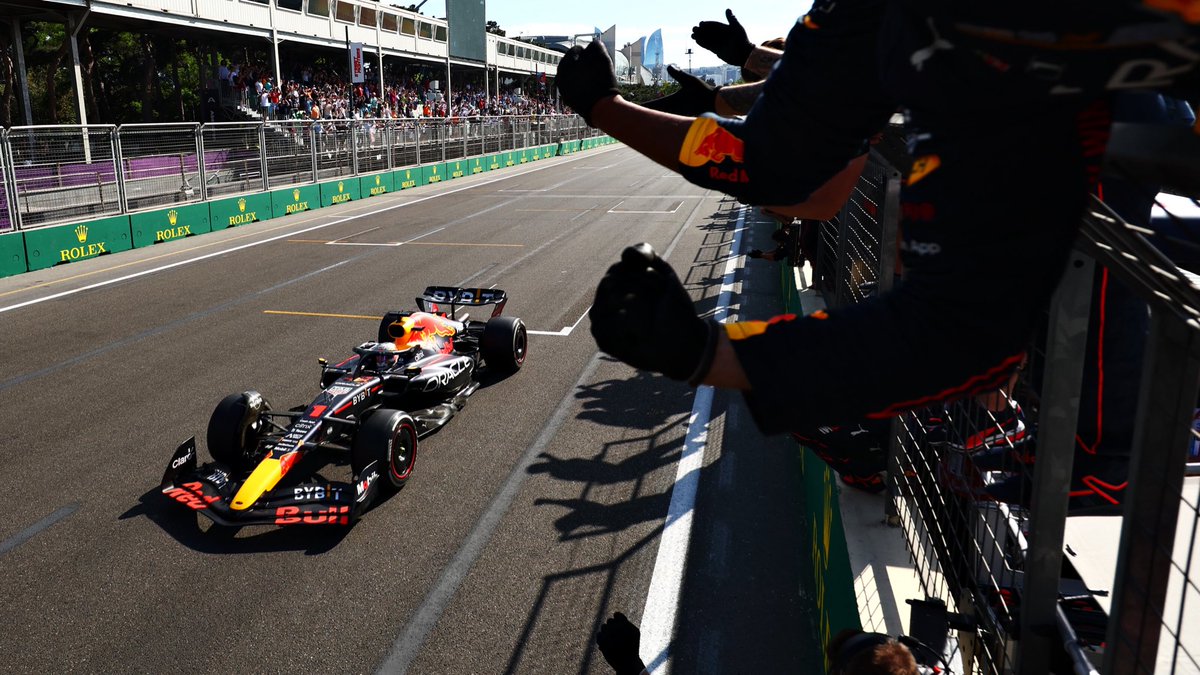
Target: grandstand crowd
x,y
324,93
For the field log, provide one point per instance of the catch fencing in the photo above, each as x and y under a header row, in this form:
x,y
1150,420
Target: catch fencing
x,y
1036,579
63,174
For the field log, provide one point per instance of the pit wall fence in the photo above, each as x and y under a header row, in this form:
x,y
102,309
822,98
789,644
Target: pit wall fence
x,y
1015,576
70,193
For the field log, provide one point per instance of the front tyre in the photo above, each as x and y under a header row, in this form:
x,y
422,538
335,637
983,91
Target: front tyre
x,y
504,344
388,439
235,428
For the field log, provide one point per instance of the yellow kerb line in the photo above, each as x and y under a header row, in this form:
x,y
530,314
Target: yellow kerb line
x,y
326,316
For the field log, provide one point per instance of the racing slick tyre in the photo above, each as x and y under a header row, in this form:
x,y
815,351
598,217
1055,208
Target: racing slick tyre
x,y
504,343
234,429
389,439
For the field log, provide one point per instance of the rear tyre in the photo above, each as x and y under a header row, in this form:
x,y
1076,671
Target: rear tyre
x,y
389,439
234,429
504,344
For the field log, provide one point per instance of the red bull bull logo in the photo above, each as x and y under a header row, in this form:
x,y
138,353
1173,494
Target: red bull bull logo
x,y
420,329
707,142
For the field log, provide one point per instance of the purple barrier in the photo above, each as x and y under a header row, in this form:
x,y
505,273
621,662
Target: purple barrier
x,y
5,224
83,175
38,178
159,166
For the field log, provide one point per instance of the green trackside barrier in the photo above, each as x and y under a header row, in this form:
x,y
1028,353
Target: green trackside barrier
x,y
242,210
12,254
373,186
547,151
49,246
522,156
403,179
433,173
339,191
177,222
494,161
457,169
836,606
295,200
508,158
827,555
479,165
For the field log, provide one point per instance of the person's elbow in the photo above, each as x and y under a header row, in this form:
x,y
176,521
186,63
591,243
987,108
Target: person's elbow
x,y
827,200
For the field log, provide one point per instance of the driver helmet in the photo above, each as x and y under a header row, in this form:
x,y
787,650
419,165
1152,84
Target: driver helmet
x,y
383,356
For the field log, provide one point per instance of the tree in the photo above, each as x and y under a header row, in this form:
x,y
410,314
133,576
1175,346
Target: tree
x,y
495,29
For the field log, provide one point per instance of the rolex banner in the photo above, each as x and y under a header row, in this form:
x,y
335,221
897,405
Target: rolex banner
x,y
50,246
243,210
177,222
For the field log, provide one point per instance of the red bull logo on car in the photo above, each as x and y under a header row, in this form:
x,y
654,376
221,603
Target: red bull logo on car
x,y
709,143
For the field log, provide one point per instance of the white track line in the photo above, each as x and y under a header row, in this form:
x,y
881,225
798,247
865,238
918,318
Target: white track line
x,y
215,254
662,600
566,329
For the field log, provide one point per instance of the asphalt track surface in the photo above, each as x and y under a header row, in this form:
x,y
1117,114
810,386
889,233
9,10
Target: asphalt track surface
x,y
529,518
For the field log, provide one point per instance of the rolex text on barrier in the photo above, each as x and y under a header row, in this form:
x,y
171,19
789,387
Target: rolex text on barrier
x,y
177,222
49,246
376,185
339,191
243,210
295,200
404,179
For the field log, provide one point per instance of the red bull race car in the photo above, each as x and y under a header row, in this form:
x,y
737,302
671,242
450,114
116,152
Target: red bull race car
x,y
373,406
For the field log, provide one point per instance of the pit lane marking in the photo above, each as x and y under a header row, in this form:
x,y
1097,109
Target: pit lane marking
x,y
617,210
35,529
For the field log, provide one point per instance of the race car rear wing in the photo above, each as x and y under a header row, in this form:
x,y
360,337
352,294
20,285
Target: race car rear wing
x,y
435,296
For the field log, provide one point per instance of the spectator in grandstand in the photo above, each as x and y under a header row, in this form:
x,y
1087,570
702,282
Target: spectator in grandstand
x,y
983,109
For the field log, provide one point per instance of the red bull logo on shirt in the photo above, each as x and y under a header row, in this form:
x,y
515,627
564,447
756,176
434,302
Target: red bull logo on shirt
x,y
709,143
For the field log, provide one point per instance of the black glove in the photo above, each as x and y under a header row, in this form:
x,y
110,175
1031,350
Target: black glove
x,y
694,98
585,75
642,316
727,41
618,641
755,253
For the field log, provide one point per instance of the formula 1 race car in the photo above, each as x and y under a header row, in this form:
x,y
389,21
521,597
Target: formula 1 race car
x,y
374,406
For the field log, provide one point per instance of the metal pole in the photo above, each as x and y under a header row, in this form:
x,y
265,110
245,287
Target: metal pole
x,y
1162,436
262,153
311,126
19,47
355,128
10,179
275,45
200,162
115,141
1059,416
74,24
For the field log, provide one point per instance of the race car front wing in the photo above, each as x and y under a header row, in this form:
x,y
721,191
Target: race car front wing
x,y
210,488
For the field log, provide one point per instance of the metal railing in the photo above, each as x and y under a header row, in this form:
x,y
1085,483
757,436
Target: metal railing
x,y
987,533
60,174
